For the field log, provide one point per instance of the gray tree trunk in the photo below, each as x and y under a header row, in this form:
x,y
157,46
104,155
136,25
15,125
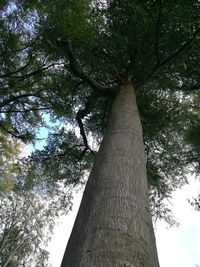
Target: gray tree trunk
x,y
113,226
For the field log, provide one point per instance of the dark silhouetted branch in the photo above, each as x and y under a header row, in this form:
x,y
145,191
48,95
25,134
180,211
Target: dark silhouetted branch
x,y
178,51
35,72
24,110
10,74
173,55
188,87
76,69
79,116
157,31
22,137
16,98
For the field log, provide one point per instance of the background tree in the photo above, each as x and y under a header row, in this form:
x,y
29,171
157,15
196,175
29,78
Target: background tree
x,y
23,219
26,224
9,163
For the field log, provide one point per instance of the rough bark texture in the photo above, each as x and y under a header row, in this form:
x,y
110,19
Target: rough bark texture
x,y
113,226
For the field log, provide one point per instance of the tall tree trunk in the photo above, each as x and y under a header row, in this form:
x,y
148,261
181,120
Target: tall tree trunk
x,y
113,226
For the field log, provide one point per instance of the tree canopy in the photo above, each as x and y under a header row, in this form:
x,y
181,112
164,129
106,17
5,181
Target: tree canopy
x,y
68,58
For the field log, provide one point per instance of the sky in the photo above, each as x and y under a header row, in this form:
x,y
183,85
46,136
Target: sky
x,y
180,246
177,246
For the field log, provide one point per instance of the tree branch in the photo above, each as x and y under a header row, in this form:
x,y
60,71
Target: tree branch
x,y
14,98
104,113
188,87
16,50
178,51
67,151
9,74
24,110
173,55
77,70
79,116
22,137
82,155
27,75
157,32
104,53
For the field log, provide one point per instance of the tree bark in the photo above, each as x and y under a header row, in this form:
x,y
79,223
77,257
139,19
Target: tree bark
x,y
113,226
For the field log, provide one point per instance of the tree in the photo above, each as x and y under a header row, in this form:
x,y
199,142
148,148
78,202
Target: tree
x,y
26,224
9,166
27,221
104,53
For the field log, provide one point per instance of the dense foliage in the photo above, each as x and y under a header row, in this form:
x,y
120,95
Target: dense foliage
x,y
24,219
